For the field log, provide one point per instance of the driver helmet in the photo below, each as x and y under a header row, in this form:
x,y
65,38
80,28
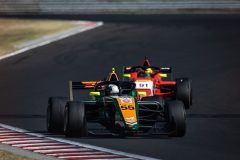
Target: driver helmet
x,y
113,89
148,71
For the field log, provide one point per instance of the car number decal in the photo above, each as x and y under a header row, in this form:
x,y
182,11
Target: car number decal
x,y
128,109
144,84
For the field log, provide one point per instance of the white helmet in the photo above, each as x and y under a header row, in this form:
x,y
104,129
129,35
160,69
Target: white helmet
x,y
113,89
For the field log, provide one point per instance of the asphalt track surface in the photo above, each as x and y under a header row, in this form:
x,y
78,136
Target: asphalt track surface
x,y
204,48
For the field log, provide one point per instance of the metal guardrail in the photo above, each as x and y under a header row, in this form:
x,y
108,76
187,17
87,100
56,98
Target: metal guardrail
x,y
106,6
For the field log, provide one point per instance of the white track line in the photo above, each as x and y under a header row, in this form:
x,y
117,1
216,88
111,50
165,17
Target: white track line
x,y
91,156
105,149
97,24
87,147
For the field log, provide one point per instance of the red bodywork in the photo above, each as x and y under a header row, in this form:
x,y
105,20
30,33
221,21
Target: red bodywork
x,y
153,85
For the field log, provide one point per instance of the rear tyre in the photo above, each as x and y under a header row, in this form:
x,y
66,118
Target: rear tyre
x,y
184,91
55,114
75,124
176,118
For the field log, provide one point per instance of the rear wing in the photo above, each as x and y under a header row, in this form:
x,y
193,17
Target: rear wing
x,y
112,76
81,85
127,69
146,64
165,69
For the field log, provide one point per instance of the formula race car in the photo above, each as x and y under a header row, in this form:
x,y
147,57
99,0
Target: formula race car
x,y
152,81
115,106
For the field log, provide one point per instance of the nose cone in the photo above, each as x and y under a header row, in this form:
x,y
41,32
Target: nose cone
x,y
133,127
129,111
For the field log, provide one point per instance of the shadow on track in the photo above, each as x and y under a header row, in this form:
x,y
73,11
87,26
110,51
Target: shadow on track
x,y
12,116
220,116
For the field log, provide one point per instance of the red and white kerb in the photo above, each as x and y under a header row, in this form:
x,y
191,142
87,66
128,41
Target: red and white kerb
x,y
51,147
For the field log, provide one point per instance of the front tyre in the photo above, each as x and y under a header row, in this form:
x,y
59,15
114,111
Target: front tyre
x,y
176,118
184,91
55,114
75,124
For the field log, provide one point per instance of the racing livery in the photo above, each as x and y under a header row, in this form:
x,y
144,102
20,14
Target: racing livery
x,y
157,81
114,105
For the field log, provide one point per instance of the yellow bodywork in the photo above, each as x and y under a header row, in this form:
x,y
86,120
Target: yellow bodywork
x,y
164,75
127,75
142,93
94,93
128,109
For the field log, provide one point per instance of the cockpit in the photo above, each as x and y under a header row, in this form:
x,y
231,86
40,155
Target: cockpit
x,y
116,88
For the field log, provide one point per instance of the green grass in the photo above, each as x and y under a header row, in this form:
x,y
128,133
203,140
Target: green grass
x,y
10,156
17,31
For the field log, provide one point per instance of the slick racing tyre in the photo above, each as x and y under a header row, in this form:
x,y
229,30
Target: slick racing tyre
x,y
55,114
184,91
75,124
176,118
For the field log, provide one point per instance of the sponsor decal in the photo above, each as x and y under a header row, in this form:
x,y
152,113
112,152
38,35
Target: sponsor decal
x,y
126,99
130,119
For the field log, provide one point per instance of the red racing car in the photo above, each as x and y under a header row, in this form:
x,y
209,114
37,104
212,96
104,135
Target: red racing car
x,y
153,82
